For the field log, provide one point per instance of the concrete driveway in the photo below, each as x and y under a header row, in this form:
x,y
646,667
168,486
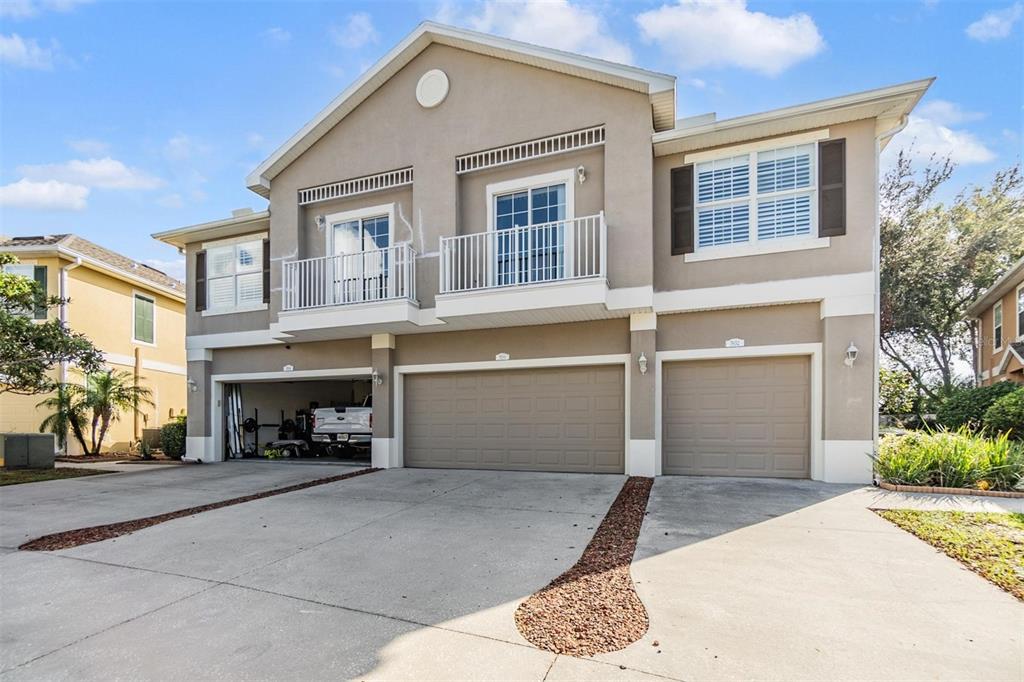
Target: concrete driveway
x,y
416,574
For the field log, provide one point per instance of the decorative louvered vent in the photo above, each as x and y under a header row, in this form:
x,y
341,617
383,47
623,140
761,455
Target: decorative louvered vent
x,y
348,188
534,149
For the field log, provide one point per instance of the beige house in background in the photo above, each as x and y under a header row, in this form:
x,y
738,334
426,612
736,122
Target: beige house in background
x,y
998,316
132,312
534,265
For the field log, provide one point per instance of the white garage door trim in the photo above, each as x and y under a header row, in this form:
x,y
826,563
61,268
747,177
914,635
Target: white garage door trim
x,y
396,449
215,446
810,349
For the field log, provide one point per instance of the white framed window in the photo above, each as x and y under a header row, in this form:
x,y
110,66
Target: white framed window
x,y
143,319
1020,313
997,326
33,272
764,200
528,217
234,275
364,229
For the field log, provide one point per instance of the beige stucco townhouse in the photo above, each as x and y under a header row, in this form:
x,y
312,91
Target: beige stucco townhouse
x,y
532,264
998,319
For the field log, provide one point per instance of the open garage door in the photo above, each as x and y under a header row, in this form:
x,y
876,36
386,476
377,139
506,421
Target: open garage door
x,y
740,417
551,419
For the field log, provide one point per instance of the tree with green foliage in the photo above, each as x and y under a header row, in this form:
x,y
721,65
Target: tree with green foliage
x,y
966,407
897,394
936,259
29,349
88,411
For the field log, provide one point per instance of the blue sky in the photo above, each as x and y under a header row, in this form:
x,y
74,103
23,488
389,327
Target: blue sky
x,y
121,119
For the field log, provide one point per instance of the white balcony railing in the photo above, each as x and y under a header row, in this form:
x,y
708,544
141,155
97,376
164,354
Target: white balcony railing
x,y
380,275
551,252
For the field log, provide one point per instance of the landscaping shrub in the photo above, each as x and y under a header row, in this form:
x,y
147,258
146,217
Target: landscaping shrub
x,y
966,407
172,438
952,459
1006,415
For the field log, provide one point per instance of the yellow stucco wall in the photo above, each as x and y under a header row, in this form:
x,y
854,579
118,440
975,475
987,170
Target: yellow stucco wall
x,y
101,307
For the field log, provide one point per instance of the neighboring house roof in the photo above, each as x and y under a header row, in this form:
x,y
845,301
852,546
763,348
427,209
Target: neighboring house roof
x,y
73,246
1010,279
661,88
1014,350
242,221
890,105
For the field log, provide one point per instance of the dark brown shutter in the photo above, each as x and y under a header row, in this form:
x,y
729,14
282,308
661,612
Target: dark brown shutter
x,y
266,271
832,188
200,280
39,275
682,209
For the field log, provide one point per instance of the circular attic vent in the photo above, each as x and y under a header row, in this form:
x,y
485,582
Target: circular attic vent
x,y
432,88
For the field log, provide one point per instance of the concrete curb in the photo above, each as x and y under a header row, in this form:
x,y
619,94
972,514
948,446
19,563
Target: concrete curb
x,y
947,491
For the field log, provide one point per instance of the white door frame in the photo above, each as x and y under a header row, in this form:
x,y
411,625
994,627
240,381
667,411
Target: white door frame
x,y
217,382
400,371
812,350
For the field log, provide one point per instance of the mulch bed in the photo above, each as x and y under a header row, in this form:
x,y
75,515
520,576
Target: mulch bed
x,y
593,607
84,536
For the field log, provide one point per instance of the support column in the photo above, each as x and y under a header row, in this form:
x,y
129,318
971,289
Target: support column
x,y
849,412
384,452
641,455
200,406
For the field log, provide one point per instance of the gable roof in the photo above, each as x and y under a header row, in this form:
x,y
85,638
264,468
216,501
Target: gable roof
x,y
74,246
1011,278
1013,350
661,88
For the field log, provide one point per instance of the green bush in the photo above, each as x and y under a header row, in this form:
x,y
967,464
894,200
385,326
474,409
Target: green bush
x,y
966,407
1006,415
172,438
952,459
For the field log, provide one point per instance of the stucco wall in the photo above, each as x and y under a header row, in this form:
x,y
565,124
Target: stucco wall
x,y
849,253
989,358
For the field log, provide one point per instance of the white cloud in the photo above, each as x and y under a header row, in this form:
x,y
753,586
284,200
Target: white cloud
x,y
89,146
26,53
277,35
175,268
552,23
182,147
51,195
947,113
698,83
708,33
105,173
924,137
357,31
255,140
996,24
26,9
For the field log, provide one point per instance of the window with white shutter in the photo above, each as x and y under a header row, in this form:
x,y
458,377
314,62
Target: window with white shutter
x,y
756,197
234,276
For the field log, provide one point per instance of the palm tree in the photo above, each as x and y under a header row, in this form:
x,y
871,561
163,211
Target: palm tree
x,y
66,414
106,396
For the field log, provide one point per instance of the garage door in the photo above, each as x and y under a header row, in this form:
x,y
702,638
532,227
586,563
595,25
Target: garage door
x,y
748,417
558,419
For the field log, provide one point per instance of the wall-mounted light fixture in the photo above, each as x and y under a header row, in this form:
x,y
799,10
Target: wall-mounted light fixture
x,y
375,378
192,385
321,222
851,355
642,362
581,174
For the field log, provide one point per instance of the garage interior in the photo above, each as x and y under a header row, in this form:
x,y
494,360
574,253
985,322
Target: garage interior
x,y
280,411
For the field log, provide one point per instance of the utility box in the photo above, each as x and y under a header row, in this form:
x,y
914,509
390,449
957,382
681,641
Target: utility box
x,y
27,450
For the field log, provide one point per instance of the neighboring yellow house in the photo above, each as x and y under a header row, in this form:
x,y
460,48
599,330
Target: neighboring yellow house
x,y
135,314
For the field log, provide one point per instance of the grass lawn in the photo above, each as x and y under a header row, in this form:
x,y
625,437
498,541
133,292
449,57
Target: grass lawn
x,y
991,545
16,476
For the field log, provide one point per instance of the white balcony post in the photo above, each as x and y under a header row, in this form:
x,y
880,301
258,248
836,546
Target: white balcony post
x,y
604,246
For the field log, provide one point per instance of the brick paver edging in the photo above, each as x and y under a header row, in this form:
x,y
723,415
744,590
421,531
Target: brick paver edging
x,y
84,536
947,491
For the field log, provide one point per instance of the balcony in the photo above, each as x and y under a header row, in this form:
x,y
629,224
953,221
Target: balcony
x,y
345,295
560,264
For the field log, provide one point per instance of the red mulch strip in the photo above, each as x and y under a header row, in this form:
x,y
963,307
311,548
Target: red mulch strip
x,y
593,607
84,536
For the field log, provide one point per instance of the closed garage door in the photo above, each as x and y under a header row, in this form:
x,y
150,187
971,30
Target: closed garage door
x,y
558,419
744,417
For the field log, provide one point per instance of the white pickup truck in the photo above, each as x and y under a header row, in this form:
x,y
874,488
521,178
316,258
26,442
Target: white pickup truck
x,y
338,428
